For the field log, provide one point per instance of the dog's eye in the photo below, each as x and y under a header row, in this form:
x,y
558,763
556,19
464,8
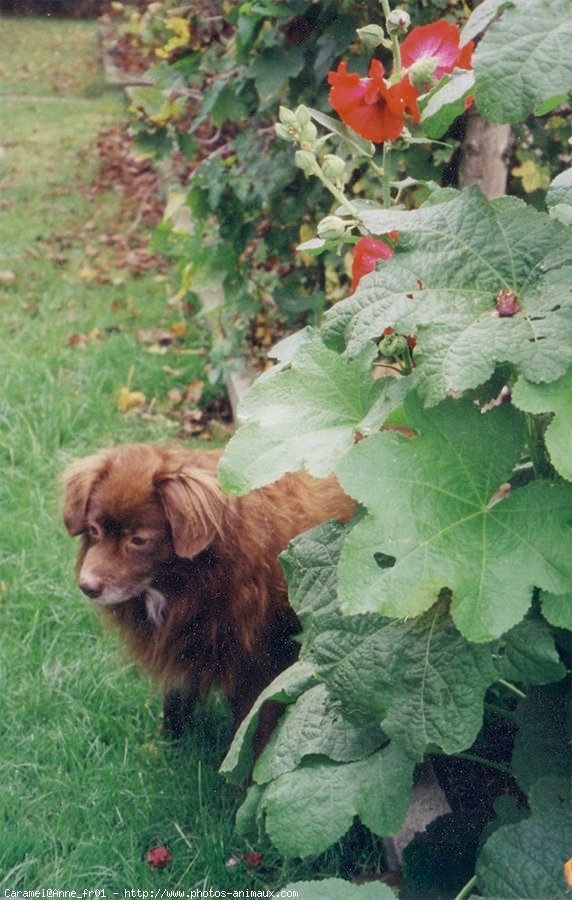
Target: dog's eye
x,y
137,541
92,531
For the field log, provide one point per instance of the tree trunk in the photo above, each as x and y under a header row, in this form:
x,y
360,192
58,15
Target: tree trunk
x,y
485,155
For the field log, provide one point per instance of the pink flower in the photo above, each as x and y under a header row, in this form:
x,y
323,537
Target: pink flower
x,y
366,253
438,41
159,857
253,859
373,107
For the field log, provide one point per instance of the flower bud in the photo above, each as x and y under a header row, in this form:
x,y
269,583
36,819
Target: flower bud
x,y
308,133
302,115
305,160
371,36
398,21
283,132
286,115
421,71
393,344
331,228
333,167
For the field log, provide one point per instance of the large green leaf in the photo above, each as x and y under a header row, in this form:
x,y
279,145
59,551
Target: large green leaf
x,y
527,859
529,654
559,197
557,608
311,567
307,414
336,889
285,688
313,806
453,261
272,68
557,398
420,679
482,16
446,102
524,59
434,521
542,745
315,725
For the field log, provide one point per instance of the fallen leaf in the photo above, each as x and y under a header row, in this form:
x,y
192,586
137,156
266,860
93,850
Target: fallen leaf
x,y
155,336
179,329
88,275
58,259
77,340
158,349
129,399
175,396
194,391
7,278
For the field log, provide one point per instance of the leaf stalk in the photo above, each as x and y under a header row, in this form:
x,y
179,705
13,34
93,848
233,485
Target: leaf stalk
x,y
464,892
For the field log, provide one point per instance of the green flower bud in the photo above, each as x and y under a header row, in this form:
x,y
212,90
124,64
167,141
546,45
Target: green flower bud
x,y
305,160
302,115
286,115
398,21
333,167
283,132
371,36
332,228
393,345
308,133
421,71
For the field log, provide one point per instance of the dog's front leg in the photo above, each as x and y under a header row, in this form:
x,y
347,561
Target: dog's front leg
x,y
178,704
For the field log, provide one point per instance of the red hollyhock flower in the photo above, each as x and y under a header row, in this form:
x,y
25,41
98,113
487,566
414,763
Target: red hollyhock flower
x,y
366,253
439,41
373,107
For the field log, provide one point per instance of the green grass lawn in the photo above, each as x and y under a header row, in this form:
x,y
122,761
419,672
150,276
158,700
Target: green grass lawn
x,y
87,784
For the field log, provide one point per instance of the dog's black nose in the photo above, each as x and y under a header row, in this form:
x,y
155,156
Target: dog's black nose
x,y
91,587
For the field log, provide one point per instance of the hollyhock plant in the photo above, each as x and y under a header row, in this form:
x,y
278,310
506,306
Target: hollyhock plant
x,y
373,107
366,253
438,43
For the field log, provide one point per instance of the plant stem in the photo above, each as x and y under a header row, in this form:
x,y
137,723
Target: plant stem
x,y
336,193
394,41
536,426
480,760
464,892
512,688
499,711
385,178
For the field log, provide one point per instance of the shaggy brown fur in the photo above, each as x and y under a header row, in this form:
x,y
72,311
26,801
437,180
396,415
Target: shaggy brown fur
x,y
189,575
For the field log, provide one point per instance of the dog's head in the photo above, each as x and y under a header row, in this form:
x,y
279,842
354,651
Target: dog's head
x,y
137,507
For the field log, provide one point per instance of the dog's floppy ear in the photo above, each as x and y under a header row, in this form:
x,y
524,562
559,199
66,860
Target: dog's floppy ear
x,y
78,481
194,505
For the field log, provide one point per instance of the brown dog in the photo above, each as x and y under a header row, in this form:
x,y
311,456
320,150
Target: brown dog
x,y
189,575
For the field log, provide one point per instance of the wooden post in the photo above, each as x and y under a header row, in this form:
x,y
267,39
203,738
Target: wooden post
x,y
485,155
